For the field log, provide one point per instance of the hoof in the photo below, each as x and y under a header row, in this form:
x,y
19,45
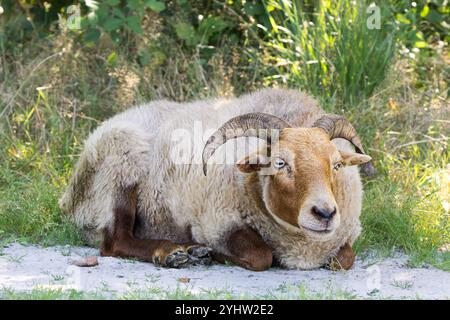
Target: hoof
x,y
191,256
200,255
177,259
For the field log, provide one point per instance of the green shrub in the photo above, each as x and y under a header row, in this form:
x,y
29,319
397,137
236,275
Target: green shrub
x,y
421,21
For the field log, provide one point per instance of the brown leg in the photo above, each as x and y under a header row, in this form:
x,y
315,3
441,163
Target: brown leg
x,y
247,249
120,241
344,259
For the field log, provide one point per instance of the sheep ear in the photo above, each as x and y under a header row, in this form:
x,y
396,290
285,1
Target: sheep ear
x,y
251,163
353,159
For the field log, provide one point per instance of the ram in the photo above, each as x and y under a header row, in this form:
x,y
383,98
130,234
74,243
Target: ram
x,y
151,185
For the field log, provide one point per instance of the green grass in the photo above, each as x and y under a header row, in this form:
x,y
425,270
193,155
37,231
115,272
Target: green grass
x,y
300,292
47,294
29,212
328,48
50,102
394,222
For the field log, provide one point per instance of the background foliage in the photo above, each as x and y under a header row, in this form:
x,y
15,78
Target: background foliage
x,y
67,65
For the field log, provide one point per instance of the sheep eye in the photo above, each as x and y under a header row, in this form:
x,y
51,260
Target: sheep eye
x,y
279,163
337,166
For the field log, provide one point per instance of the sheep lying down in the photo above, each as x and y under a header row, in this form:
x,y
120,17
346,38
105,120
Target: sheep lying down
x,y
260,180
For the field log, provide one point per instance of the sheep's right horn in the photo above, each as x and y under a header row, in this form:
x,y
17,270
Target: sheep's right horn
x,y
248,125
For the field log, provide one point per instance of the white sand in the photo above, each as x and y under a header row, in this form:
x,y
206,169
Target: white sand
x,y
27,267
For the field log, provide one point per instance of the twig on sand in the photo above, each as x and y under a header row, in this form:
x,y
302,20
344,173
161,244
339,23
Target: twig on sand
x,y
90,261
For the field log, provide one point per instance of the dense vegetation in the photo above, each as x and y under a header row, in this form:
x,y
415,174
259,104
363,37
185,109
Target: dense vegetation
x,y
67,65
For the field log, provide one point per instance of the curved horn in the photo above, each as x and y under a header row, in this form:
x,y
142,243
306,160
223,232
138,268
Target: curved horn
x,y
339,127
248,125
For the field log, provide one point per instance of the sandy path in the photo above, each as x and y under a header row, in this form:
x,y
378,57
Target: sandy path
x,y
27,267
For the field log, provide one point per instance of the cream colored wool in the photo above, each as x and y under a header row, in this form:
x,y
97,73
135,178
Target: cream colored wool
x,y
177,201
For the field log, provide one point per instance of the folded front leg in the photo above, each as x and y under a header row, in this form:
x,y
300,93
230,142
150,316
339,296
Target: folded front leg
x,y
247,249
119,241
344,259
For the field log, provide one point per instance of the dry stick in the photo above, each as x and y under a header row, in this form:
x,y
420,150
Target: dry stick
x,y
74,119
8,105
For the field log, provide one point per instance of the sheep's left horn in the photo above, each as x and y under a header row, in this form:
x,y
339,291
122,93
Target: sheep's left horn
x,y
248,125
339,127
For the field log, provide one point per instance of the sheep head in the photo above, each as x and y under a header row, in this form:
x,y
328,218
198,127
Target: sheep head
x,y
297,171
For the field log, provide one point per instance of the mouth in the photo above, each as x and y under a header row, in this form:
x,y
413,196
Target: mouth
x,y
318,231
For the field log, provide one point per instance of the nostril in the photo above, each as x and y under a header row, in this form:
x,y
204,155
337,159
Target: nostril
x,y
326,214
333,212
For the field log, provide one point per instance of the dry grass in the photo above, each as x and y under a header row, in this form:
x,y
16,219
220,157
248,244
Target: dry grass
x,y
54,92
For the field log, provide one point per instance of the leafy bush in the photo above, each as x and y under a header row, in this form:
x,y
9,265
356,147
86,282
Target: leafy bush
x,y
113,17
422,21
148,30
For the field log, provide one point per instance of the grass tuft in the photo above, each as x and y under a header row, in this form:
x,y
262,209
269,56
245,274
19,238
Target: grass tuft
x,y
29,212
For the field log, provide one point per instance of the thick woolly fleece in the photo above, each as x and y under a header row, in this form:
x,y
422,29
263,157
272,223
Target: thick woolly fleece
x,y
141,146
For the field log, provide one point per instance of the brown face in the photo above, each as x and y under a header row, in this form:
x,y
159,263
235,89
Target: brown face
x,y
298,183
